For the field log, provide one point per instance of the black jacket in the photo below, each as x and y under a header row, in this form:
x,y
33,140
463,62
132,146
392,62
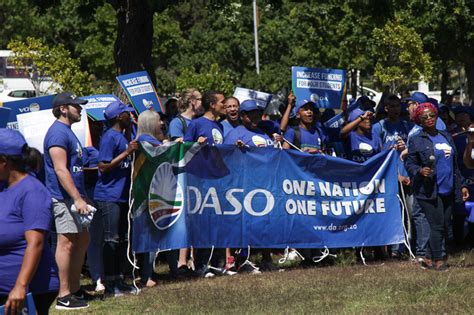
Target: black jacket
x,y
420,148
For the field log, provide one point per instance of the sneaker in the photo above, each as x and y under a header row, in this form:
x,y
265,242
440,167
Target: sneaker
x,y
249,267
426,263
268,266
184,272
440,266
230,265
120,288
99,286
70,302
82,295
221,271
204,272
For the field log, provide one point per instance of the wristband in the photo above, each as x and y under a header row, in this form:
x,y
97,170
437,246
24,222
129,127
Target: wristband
x,y
361,117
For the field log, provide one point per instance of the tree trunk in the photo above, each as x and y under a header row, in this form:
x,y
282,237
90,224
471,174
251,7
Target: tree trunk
x,y
444,82
354,83
469,67
133,46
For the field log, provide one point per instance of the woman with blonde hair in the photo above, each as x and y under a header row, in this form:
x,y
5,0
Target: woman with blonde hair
x,y
189,106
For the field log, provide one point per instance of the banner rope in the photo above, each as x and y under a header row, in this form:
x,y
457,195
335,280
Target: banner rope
x,y
325,253
286,255
408,213
405,232
129,217
362,256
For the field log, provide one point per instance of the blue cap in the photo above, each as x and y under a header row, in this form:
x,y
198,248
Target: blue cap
x,y
116,108
302,103
418,97
11,142
248,105
355,114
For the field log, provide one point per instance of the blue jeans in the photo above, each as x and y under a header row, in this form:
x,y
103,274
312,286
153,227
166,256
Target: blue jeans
x,y
114,222
422,229
438,213
95,249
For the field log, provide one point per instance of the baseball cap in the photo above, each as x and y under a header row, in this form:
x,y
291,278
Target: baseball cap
x,y
418,97
353,115
67,98
302,103
11,142
116,108
248,105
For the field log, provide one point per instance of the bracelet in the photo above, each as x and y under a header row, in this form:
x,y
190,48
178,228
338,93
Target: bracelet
x,y
361,117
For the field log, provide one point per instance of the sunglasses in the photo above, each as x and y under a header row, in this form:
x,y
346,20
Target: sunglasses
x,y
427,116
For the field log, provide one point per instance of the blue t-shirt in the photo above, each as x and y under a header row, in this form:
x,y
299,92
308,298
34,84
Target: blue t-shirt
x,y
25,206
203,127
149,139
176,127
113,185
227,127
309,139
252,138
363,147
444,164
388,132
61,135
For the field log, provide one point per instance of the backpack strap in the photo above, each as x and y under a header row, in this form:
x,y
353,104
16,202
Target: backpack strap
x,y
297,139
183,123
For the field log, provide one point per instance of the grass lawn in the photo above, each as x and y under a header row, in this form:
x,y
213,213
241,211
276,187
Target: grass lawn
x,y
395,287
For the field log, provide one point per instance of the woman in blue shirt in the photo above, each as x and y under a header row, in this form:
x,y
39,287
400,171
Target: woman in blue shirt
x,y
433,168
26,264
111,194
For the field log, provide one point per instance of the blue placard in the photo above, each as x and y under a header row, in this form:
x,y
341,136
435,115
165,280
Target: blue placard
x,y
140,91
96,105
27,105
4,116
325,87
28,308
202,196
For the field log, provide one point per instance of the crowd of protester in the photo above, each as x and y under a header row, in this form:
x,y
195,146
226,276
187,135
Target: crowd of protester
x,y
84,192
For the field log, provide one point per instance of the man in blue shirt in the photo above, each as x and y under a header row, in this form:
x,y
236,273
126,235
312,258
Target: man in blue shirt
x,y
111,193
65,181
248,134
232,119
307,136
208,129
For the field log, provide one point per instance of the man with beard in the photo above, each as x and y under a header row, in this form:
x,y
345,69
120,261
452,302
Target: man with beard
x,y
63,161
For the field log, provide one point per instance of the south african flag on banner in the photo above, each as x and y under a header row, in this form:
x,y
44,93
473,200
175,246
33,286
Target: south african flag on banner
x,y
158,191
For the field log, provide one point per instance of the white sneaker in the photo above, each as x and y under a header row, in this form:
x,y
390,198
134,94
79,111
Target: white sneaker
x,y
99,286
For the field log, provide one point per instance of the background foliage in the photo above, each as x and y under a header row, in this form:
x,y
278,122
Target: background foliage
x,y
193,39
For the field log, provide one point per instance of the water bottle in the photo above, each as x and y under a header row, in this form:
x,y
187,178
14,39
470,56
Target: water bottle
x,y
84,219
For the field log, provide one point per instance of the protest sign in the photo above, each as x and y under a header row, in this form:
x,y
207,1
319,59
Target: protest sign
x,y
325,87
4,116
27,105
202,196
140,91
262,98
34,126
96,105
28,308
